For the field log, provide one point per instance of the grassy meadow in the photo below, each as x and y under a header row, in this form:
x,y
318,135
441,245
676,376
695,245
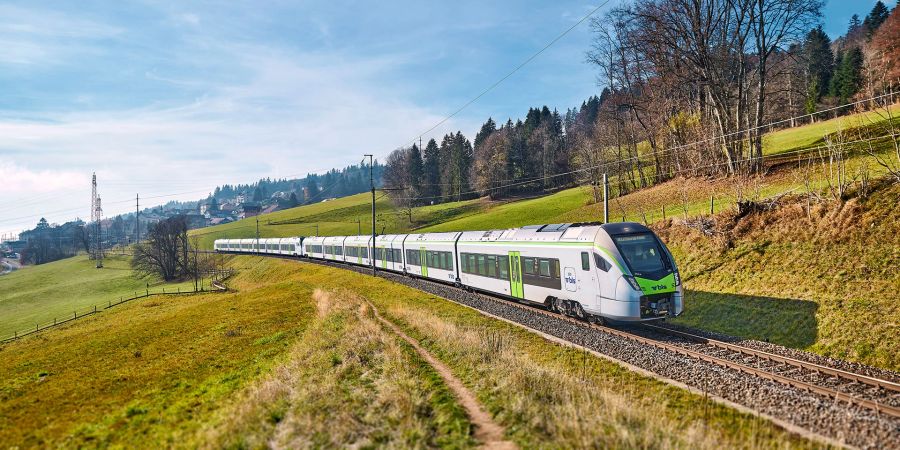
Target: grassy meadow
x,y
786,278
38,294
293,357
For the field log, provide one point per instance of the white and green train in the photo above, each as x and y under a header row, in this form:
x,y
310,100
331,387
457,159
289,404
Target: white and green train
x,y
615,271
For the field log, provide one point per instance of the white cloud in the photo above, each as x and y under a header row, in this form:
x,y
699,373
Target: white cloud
x,y
18,179
32,37
297,113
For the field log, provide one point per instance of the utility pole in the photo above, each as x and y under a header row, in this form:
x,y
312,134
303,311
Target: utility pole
x,y
257,235
372,182
605,199
137,218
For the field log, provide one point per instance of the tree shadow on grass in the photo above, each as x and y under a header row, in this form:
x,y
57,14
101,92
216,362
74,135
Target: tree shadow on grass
x,y
784,321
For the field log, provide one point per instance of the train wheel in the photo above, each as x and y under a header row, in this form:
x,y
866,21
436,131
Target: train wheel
x,y
559,306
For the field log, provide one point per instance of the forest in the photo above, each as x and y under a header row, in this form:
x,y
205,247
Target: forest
x,y
687,87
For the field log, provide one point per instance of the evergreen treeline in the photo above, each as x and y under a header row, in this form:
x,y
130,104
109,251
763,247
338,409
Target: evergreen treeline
x,y
673,103
314,187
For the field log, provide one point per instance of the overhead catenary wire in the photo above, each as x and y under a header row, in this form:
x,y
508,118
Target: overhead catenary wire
x,y
752,158
519,181
511,73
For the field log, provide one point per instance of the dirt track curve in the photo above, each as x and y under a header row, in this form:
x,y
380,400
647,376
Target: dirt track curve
x,y
488,432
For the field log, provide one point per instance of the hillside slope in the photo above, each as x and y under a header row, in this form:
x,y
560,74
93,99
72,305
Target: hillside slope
x,y
293,357
38,294
826,282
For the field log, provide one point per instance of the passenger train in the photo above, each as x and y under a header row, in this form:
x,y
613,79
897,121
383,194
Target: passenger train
x,y
614,271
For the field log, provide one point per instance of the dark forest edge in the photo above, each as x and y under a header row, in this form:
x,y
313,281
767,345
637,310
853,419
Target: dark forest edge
x,y
674,102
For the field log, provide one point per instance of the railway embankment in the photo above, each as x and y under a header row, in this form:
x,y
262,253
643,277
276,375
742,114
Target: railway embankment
x,y
272,362
811,276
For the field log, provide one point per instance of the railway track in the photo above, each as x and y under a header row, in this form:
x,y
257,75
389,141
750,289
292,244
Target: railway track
x,y
849,407
881,396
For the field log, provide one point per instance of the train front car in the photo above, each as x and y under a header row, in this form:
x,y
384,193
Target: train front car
x,y
638,277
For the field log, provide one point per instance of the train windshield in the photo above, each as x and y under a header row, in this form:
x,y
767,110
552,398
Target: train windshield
x,y
643,254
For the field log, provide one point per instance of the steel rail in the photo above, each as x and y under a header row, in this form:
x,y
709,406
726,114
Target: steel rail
x,y
865,379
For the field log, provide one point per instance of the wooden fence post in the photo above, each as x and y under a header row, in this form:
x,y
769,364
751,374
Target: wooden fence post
x,y
664,212
75,313
712,205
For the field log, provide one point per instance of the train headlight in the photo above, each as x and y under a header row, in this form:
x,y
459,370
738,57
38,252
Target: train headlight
x,y
677,279
632,282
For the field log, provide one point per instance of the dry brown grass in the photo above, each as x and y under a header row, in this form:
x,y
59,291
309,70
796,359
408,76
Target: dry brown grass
x,y
346,383
823,280
545,402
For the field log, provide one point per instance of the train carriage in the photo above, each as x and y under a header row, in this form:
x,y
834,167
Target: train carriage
x,y
357,249
314,247
389,252
432,255
576,269
334,248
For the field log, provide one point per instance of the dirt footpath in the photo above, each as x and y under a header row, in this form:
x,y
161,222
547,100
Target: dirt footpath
x,y
488,432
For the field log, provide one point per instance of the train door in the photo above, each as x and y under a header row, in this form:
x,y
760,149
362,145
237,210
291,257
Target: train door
x,y
423,261
516,287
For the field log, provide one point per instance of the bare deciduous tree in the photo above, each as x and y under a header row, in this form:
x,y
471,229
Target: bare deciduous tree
x,y
165,253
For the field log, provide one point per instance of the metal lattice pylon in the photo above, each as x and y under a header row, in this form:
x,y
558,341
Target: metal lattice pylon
x,y
96,217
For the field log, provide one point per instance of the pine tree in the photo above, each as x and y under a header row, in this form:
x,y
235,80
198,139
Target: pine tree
x,y
851,68
431,171
876,17
847,78
416,171
819,63
312,188
854,24
489,127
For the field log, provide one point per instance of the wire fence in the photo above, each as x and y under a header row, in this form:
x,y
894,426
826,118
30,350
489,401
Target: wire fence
x,y
218,278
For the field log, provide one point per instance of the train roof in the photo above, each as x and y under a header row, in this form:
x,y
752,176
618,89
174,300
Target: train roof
x,y
577,232
624,228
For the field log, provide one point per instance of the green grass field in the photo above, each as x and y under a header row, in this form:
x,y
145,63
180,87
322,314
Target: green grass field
x,y
39,294
293,357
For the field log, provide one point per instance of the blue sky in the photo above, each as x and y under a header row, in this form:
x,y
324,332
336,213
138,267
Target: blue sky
x,y
169,99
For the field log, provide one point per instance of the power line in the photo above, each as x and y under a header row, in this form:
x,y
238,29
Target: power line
x,y
520,181
807,149
516,69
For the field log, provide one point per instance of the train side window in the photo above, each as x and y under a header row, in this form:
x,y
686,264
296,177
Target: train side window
x,y
602,263
528,266
544,267
555,266
504,267
482,270
585,261
492,266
